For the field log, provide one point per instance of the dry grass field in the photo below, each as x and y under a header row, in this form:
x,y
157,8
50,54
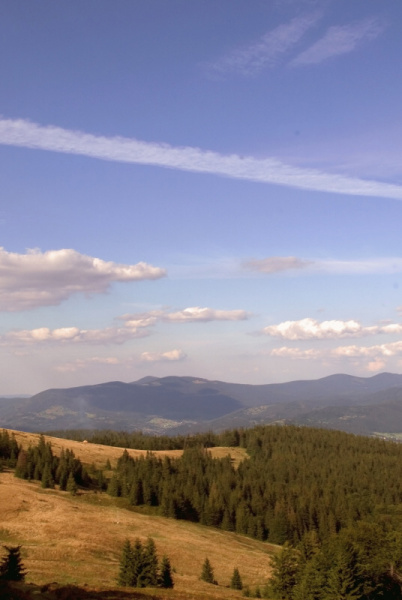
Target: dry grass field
x,y
95,453
78,540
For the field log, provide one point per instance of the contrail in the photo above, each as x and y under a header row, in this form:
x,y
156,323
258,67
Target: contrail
x,y
22,133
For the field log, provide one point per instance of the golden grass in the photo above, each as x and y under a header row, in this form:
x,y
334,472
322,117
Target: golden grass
x,y
90,453
78,540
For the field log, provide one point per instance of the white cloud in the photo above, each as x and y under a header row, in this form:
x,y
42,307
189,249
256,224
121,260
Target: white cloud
x,y
307,329
169,356
74,335
339,40
267,170
266,51
276,264
47,278
311,329
195,313
376,355
135,326
186,315
385,350
295,353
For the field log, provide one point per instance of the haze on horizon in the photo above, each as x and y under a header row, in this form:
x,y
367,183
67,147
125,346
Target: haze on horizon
x,y
180,197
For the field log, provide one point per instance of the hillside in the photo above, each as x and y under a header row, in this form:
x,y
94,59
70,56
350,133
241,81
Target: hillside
x,y
78,540
98,454
188,404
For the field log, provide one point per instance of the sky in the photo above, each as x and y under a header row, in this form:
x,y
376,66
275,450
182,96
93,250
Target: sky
x,y
201,188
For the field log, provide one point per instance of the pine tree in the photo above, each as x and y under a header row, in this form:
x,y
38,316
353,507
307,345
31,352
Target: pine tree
x,y
236,582
71,485
285,570
125,574
165,577
148,575
136,563
207,573
11,567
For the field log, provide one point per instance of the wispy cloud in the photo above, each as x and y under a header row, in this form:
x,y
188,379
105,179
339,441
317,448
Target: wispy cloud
x,y
369,266
169,356
339,40
265,52
47,278
311,329
295,353
276,264
72,335
197,314
134,326
191,314
370,358
269,170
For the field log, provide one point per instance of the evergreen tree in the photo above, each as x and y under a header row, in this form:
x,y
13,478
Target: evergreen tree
x,y
285,571
136,562
148,575
11,567
125,574
207,573
71,485
236,582
165,576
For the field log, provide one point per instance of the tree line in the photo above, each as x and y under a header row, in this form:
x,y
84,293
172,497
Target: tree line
x,y
141,441
295,480
39,463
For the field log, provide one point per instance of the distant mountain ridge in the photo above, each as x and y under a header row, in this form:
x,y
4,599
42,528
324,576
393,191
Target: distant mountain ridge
x,y
188,404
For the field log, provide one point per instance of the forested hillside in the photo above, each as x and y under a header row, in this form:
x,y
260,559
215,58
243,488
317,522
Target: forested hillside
x,y
333,499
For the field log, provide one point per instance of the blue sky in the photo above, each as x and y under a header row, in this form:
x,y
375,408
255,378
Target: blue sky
x,y
199,188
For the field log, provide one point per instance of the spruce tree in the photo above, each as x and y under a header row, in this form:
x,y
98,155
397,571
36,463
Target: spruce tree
x,y
207,573
11,567
71,485
148,575
136,563
125,574
236,582
165,577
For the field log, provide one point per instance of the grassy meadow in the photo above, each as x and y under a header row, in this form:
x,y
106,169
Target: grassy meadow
x,y
78,540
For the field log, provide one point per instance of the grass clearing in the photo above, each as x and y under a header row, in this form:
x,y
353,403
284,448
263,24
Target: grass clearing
x,y
78,540
90,453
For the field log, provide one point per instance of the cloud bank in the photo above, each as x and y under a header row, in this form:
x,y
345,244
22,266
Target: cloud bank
x,y
47,278
311,329
135,326
339,40
269,170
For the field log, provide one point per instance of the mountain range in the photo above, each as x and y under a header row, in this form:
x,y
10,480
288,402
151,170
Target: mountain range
x,y
175,405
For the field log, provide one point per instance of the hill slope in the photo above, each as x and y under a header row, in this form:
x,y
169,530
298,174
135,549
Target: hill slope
x,y
78,540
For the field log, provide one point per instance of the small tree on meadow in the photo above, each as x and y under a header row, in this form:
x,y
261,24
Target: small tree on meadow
x,y
71,485
236,582
11,567
148,575
165,576
207,573
125,574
